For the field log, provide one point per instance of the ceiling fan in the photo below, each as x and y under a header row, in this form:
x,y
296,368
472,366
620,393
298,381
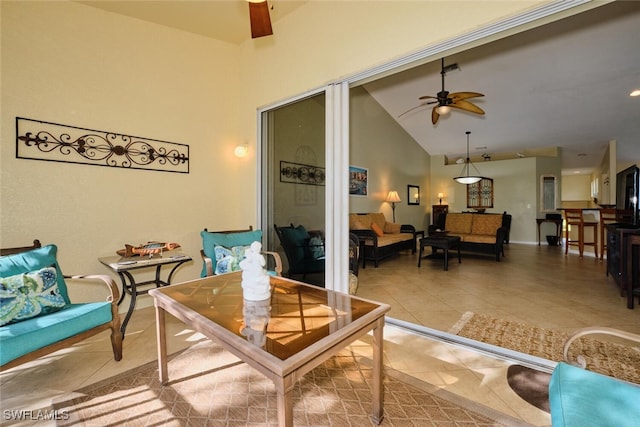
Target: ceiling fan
x,y
445,100
259,18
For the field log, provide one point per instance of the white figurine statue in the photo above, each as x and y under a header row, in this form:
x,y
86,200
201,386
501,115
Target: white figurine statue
x,y
255,281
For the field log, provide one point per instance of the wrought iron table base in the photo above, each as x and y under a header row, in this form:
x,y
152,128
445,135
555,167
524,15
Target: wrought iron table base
x,y
132,289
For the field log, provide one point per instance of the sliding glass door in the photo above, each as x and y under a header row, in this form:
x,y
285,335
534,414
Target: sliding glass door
x,y
304,170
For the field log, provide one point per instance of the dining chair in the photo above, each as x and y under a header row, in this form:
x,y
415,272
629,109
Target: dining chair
x,y
607,216
576,218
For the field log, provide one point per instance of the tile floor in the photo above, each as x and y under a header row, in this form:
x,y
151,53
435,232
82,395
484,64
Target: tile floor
x,y
532,284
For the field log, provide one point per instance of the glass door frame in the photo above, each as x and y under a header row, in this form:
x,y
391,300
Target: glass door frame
x,y
336,184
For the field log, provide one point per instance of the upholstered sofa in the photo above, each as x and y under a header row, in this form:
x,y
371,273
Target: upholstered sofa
x,y
478,232
380,238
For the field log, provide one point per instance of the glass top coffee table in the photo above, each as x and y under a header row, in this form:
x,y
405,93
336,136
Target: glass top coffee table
x,y
283,338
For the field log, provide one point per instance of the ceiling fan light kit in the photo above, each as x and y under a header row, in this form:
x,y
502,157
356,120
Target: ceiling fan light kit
x,y
443,110
465,175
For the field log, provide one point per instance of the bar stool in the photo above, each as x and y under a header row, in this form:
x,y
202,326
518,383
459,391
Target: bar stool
x,y
575,217
607,216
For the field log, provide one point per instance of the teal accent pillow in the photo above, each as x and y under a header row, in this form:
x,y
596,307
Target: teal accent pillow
x,y
294,240
34,260
228,259
28,295
228,240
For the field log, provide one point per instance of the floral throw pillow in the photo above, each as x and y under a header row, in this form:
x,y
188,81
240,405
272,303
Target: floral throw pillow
x,y
28,295
316,248
228,259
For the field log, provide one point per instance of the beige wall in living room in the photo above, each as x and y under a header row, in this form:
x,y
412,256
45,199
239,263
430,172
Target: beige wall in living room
x,y
72,64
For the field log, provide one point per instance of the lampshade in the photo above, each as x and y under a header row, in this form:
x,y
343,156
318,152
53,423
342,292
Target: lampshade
x,y
465,175
440,195
392,197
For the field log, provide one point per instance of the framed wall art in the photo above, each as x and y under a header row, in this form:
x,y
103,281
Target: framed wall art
x,y
480,194
413,195
358,181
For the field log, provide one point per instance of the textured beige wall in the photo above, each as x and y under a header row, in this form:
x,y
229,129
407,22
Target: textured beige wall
x,y
71,64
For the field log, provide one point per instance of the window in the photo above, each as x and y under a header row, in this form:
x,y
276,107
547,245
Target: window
x,y
548,193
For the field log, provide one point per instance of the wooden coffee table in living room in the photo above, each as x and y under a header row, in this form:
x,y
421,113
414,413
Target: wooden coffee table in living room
x,y
283,338
440,241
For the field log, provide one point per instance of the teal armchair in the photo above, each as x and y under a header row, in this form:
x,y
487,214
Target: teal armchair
x,y
222,251
36,315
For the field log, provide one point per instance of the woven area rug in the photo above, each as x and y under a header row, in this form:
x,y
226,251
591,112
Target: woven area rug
x,y
211,387
609,358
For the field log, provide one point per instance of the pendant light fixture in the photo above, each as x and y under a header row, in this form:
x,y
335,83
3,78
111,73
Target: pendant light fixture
x,y
465,176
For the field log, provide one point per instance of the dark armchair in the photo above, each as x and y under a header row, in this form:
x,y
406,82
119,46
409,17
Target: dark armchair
x,y
304,250
354,253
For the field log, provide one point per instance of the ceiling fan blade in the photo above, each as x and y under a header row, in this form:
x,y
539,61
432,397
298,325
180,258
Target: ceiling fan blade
x,y
464,95
427,97
260,19
434,115
467,106
414,108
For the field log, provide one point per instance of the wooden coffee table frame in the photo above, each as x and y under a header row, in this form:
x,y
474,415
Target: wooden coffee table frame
x,y
441,241
283,373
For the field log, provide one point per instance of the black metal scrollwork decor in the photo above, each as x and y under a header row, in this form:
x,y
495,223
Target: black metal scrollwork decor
x,y
301,174
38,140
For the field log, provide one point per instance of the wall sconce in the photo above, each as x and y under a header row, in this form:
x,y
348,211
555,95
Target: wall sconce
x,y
393,198
440,196
241,151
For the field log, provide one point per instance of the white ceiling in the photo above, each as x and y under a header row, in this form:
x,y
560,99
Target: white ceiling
x,y
564,85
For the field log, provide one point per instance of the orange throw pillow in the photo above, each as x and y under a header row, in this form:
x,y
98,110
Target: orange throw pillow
x,y
376,229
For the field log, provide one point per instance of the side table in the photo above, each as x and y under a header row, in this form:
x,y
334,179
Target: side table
x,y
443,242
124,267
557,222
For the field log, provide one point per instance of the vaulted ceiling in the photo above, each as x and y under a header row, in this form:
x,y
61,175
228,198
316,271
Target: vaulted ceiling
x,y
564,85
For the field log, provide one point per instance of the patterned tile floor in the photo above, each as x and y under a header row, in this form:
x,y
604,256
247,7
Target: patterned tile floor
x,y
537,285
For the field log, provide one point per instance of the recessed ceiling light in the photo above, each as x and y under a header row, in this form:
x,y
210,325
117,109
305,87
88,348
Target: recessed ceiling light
x,y
635,92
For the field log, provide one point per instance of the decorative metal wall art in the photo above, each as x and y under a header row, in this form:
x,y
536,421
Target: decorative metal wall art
x,y
480,194
38,140
297,173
